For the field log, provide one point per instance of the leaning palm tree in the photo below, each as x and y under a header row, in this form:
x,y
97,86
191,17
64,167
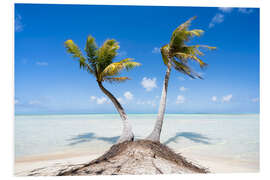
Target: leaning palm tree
x,y
177,54
99,63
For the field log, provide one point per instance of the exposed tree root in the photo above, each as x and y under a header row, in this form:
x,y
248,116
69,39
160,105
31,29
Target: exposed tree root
x,y
136,157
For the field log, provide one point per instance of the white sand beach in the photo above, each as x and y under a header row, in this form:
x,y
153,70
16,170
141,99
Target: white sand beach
x,y
50,164
222,143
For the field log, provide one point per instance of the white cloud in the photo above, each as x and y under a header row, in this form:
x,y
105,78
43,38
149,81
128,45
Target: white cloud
x,y
182,88
227,98
156,50
214,98
42,63
98,100
93,98
102,100
34,102
18,23
180,99
128,95
255,99
217,19
245,10
149,83
225,9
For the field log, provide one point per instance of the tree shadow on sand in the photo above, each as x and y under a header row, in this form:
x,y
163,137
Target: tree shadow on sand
x,y
87,137
195,137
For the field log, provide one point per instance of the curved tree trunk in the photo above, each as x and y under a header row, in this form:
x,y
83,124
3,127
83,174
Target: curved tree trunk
x,y
155,135
127,134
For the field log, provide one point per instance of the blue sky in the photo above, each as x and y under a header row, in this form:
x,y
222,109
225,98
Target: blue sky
x,y
47,80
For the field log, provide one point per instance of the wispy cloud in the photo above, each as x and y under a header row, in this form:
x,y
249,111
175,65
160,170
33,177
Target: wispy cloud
x,y
245,10
227,98
128,95
225,9
92,98
102,100
149,83
18,23
156,50
182,88
42,63
217,19
99,100
180,99
214,98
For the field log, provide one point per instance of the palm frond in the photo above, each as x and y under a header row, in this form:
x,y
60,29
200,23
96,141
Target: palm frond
x,y
73,49
183,68
182,27
195,32
192,52
115,68
116,79
91,47
180,35
112,70
185,57
106,53
129,64
205,47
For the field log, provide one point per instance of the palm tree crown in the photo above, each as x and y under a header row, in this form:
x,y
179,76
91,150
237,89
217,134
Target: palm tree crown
x,y
99,61
179,53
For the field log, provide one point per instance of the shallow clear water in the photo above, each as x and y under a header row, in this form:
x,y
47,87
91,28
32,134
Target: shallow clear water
x,y
219,135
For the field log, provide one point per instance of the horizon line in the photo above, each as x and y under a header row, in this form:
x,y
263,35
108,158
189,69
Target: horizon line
x,y
29,114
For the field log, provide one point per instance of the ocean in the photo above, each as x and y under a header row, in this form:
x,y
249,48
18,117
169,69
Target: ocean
x,y
217,135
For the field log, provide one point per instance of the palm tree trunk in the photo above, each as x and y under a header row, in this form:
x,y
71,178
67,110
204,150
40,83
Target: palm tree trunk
x,y
127,134
155,135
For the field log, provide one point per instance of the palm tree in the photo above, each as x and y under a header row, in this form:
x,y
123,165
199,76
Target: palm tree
x,y
99,63
177,54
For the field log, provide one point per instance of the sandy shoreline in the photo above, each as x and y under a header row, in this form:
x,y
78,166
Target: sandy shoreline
x,y
49,164
222,143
